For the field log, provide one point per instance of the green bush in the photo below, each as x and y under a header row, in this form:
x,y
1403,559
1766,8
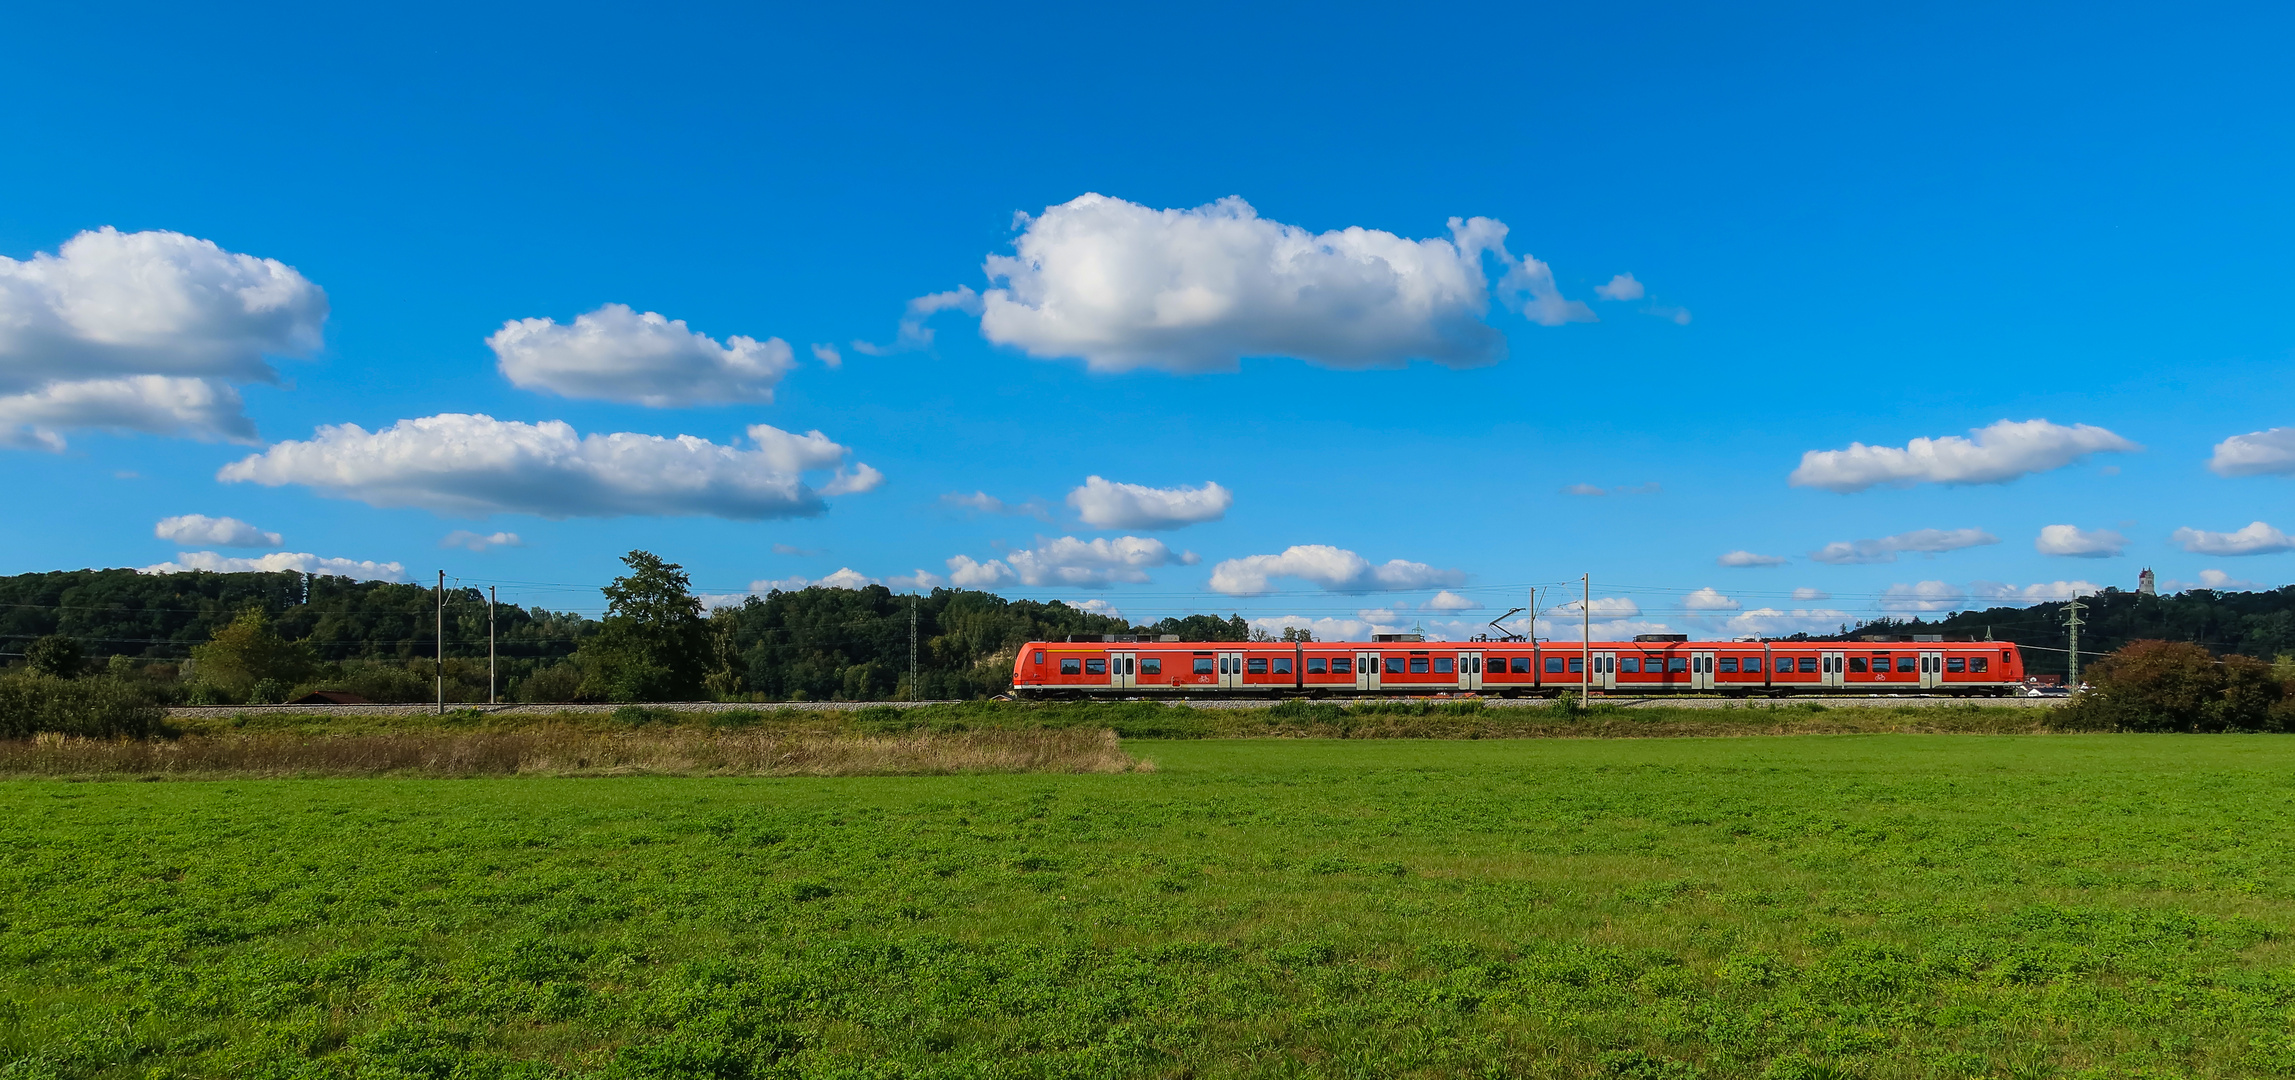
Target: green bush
x,y
94,707
556,684
55,655
2179,686
374,680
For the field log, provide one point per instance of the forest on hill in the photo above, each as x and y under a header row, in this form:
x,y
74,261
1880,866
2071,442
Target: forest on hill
x,y
2258,624
287,634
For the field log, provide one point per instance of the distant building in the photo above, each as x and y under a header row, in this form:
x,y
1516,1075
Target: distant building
x,y
2144,585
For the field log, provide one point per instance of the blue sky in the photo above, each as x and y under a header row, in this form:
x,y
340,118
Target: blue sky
x,y
1847,228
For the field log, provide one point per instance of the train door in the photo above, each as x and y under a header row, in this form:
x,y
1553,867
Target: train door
x,y
1931,670
1123,670
1832,665
1605,671
1367,671
1701,671
1470,671
1230,671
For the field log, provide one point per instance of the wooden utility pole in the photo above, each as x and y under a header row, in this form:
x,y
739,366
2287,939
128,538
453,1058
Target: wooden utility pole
x,y
1586,639
438,663
912,602
490,680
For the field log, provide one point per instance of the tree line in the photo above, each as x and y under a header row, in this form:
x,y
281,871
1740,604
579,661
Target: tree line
x,y
2258,624
212,638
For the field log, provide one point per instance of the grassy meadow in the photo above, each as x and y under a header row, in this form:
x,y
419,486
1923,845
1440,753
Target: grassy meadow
x,y
1817,906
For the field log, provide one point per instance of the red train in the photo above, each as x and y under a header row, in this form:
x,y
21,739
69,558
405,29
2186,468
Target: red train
x,y
1650,665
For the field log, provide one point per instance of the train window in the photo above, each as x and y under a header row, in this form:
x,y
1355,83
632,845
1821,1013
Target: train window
x,y
1342,665
1316,665
2004,658
1282,665
1729,665
1258,665
1039,656
1956,664
1130,668
1976,663
1096,666
1519,665
1418,665
1905,663
1808,665
1753,665
1151,665
1631,665
1394,665
1577,665
1857,664
1553,665
1678,663
1203,665
1071,665
1442,666
1474,664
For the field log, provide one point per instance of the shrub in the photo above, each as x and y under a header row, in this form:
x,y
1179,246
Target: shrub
x,y
95,708
54,655
557,683
249,651
2179,686
374,680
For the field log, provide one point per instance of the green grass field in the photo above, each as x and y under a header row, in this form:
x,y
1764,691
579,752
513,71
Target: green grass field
x,y
1836,906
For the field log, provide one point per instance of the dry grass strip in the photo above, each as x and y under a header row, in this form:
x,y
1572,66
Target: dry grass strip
x,y
572,753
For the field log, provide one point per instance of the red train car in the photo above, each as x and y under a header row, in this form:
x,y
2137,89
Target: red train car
x,y
1143,668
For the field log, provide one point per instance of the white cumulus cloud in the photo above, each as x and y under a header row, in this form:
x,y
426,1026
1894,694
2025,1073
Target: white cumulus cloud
x,y
1070,561
619,354
965,573
914,334
204,409
469,464
1124,286
1097,606
1334,569
1447,600
1778,622
1922,596
1621,287
143,332
1999,453
1105,504
2256,539
110,304
2072,541
2003,593
364,570
464,538
917,580
1806,594
213,532
1886,549
1604,607
1747,558
1709,599
2216,580
2255,453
